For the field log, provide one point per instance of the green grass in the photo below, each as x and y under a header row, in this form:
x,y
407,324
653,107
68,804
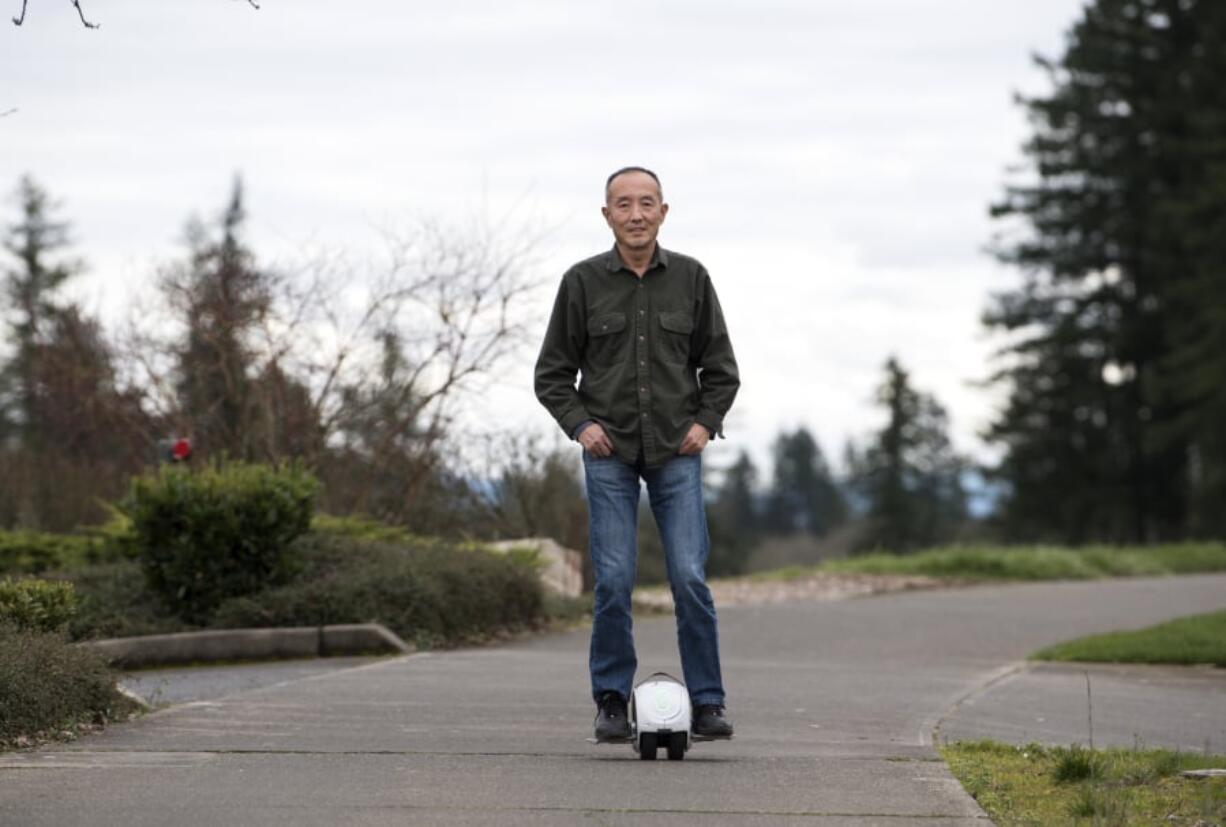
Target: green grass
x,y
1012,563
1188,640
1036,785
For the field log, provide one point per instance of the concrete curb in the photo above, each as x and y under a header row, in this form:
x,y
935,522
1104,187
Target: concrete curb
x,y
249,644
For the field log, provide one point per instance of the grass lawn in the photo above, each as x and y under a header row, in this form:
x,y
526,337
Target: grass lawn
x,y
1188,640
1036,785
985,563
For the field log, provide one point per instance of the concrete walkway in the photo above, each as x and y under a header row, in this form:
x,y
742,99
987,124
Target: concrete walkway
x,y
835,704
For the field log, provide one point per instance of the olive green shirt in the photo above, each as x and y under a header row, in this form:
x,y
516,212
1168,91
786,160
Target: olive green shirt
x,y
652,354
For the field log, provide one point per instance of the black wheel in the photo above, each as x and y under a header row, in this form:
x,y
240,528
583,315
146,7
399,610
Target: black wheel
x,y
647,746
676,746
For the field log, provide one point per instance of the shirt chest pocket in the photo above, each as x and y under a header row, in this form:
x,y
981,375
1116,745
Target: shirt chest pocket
x,y
674,338
606,338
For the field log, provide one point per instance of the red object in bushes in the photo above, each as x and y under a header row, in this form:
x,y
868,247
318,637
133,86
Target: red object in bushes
x,y
182,450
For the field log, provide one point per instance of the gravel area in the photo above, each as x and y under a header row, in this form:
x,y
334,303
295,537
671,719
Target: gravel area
x,y
819,586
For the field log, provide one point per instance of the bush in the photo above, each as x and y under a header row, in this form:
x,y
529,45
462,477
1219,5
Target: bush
x,y
431,593
114,600
37,605
34,552
47,684
361,528
219,532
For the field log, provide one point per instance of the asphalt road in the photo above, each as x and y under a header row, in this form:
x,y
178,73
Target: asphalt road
x,y
835,704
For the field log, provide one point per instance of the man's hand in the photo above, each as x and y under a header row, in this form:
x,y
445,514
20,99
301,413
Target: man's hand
x,y
695,440
595,441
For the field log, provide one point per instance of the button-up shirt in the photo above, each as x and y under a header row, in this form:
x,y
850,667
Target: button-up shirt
x,y
652,354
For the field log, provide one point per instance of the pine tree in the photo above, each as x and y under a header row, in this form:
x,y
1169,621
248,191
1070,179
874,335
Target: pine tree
x,y
909,474
30,286
1102,414
803,496
223,297
734,520
69,436
1193,371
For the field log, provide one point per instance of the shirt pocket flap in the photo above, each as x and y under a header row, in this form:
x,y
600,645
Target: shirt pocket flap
x,y
608,323
678,322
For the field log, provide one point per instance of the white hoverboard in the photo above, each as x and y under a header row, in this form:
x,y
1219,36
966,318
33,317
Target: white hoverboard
x,y
660,716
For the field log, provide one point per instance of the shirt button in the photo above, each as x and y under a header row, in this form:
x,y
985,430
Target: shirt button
x,y
643,390
641,338
644,414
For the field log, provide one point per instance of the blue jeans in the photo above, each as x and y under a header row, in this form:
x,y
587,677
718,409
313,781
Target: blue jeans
x,y
675,493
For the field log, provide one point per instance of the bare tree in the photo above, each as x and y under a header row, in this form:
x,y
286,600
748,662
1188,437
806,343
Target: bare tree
x,y
440,320
76,4
357,369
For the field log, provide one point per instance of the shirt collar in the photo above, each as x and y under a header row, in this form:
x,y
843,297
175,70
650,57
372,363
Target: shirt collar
x,y
614,259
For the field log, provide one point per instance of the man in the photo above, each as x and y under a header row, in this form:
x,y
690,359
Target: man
x,y
643,328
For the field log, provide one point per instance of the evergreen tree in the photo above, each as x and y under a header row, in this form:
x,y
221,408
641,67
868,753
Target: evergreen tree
x,y
1111,385
30,284
803,496
909,473
69,437
734,519
1193,371
224,299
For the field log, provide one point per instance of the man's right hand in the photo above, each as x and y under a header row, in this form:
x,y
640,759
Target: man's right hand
x,y
595,441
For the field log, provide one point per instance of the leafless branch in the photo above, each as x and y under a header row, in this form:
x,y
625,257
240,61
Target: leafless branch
x,y
8,112
17,21
84,22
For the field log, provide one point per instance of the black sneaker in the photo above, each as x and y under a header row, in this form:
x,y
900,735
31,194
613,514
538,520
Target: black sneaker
x,y
709,722
612,723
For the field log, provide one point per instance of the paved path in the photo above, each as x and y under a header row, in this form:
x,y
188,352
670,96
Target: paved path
x,y
834,704
179,684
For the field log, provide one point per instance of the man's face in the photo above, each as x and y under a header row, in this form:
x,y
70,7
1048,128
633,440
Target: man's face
x,y
634,210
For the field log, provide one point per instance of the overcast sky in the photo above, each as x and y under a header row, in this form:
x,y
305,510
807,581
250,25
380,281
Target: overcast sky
x,y
830,162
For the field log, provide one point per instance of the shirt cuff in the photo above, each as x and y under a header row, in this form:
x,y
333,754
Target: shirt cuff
x,y
712,421
578,429
573,418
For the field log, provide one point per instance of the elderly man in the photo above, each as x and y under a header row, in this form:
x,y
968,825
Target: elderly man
x,y
643,328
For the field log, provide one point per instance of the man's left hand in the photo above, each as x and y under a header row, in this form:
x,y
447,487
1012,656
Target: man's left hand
x,y
695,440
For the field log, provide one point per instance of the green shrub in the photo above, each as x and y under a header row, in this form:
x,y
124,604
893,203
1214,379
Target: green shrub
x,y
34,552
47,684
112,541
357,527
219,532
37,605
115,600
431,593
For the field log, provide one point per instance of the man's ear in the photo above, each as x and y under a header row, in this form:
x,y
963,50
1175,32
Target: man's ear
x,y
605,212
663,212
